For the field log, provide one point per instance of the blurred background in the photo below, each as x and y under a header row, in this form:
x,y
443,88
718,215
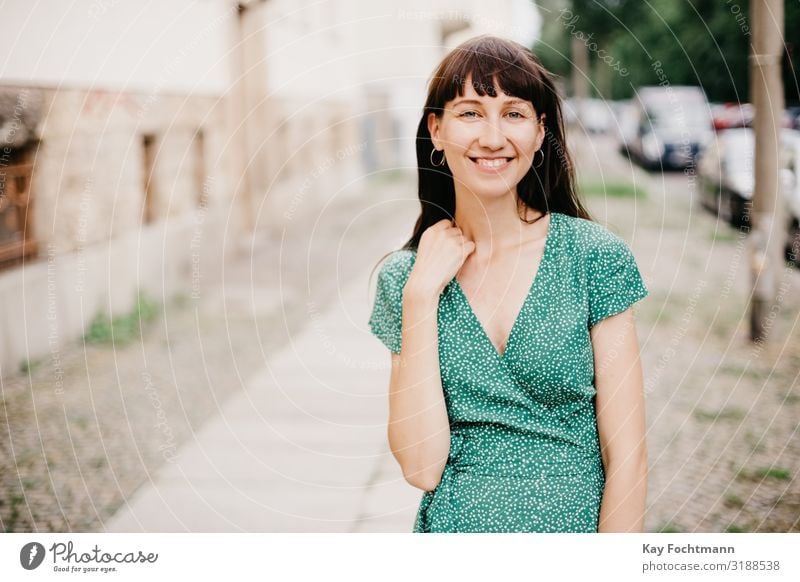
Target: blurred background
x,y
194,195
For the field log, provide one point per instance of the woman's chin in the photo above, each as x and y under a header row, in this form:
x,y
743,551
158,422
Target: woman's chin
x,y
493,188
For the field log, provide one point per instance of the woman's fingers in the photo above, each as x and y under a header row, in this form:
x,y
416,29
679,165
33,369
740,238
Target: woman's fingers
x,y
442,224
448,229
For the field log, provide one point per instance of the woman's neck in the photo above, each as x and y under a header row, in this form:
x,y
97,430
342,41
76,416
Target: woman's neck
x,y
494,224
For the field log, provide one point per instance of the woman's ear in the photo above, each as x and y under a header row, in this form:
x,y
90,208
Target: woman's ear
x,y
541,130
433,128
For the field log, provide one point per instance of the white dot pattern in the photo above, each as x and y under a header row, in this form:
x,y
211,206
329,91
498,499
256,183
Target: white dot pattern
x,y
525,453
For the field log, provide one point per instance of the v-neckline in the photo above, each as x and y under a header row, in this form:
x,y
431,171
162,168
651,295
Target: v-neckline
x,y
531,292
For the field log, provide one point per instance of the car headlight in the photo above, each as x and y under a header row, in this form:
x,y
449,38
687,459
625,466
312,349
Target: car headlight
x,y
652,147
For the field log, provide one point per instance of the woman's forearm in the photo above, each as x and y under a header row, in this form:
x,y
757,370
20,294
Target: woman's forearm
x,y
624,496
419,428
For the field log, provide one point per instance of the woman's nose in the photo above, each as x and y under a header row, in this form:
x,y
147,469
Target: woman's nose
x,y
492,136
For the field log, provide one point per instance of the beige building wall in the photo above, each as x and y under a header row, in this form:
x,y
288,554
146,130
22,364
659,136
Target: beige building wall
x,y
131,186
89,178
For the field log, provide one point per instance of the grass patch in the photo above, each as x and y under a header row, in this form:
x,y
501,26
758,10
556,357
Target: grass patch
x,y
723,235
743,371
733,502
791,397
122,329
776,473
602,189
11,521
390,176
669,527
30,365
722,414
733,528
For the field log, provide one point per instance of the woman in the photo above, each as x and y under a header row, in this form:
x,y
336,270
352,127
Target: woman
x,y
516,401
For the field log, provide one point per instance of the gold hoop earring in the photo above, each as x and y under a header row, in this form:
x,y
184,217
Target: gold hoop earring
x,y
539,165
434,163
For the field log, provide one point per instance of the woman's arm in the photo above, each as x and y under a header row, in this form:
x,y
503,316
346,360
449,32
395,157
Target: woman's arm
x,y
419,428
620,422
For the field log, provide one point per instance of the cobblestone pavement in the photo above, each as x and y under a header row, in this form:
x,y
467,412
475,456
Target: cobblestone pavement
x,y
722,413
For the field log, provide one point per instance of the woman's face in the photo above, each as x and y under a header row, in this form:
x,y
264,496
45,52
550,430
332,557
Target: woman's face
x,y
489,142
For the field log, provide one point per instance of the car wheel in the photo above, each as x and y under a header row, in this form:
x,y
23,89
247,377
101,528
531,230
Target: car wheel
x,y
792,250
736,211
724,206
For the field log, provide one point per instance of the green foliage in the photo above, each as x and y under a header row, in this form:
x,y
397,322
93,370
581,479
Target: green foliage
x,y
698,42
121,330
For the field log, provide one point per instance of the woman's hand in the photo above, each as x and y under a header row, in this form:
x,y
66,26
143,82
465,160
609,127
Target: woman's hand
x,y
441,253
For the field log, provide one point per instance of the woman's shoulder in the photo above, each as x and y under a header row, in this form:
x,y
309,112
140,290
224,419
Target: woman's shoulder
x,y
397,265
593,237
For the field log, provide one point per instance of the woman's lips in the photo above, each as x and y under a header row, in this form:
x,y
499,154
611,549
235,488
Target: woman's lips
x,y
491,165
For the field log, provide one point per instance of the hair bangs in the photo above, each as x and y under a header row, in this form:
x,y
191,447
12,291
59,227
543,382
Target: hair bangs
x,y
491,68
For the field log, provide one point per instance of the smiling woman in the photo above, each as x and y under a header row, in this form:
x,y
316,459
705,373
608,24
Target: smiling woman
x,y
516,390
495,134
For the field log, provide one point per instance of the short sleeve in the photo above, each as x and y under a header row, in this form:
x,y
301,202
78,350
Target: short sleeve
x,y
387,311
614,279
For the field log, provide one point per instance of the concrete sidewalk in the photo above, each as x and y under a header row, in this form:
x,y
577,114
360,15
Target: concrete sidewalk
x,y
302,449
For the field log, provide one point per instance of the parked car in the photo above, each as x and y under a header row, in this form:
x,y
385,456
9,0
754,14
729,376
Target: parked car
x,y
568,111
791,191
596,115
673,124
730,115
627,126
726,173
794,115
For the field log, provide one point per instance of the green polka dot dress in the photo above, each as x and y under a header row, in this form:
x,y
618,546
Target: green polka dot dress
x,y
525,453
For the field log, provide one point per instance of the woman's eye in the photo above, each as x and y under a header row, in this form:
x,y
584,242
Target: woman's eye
x,y
470,114
516,115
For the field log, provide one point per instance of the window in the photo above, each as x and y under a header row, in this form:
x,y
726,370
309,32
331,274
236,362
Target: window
x,y
201,188
148,157
16,236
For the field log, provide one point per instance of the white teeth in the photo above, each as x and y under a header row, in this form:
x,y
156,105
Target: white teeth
x,y
492,163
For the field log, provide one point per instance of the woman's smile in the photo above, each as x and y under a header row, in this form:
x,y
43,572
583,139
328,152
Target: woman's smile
x,y
491,165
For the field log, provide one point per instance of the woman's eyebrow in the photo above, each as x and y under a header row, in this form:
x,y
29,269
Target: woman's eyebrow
x,y
517,102
506,102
